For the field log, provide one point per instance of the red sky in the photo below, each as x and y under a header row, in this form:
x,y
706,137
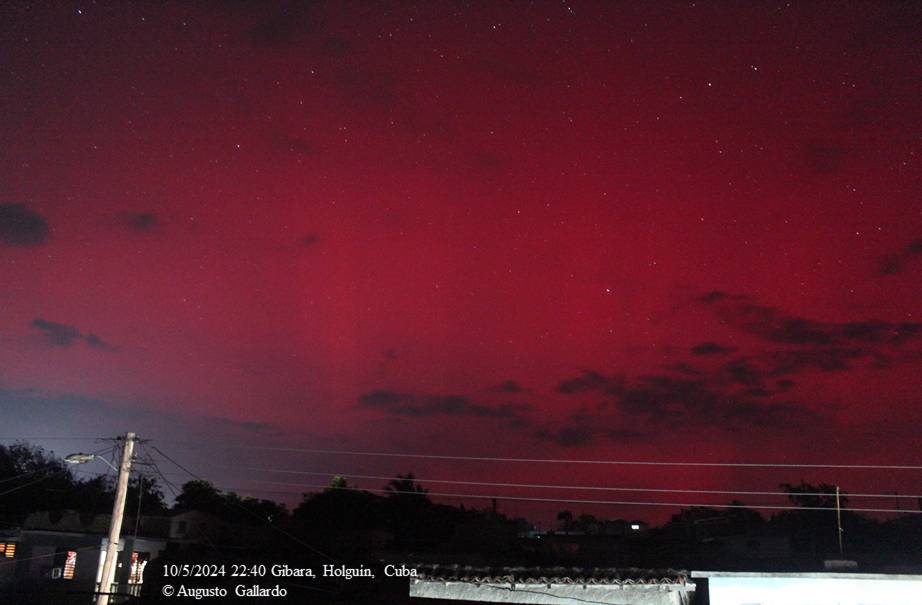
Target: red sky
x,y
686,231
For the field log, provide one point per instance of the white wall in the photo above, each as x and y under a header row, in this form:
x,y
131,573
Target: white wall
x,y
813,591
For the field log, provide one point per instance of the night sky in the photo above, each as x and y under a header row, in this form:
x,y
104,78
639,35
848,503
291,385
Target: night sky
x,y
608,231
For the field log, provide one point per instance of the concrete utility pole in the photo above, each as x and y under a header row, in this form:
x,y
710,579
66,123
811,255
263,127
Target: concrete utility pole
x,y
115,526
839,519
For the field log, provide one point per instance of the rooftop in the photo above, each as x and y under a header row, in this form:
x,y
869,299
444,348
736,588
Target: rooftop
x,y
550,575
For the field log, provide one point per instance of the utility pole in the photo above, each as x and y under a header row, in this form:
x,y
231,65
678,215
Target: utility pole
x,y
115,526
839,519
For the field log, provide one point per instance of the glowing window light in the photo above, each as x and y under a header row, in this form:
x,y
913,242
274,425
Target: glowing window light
x,y
69,565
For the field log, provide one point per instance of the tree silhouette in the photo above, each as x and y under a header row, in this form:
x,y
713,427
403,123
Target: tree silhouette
x,y
567,518
405,485
813,496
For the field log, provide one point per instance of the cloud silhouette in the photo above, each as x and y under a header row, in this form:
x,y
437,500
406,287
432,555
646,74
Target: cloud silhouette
x,y
509,386
567,436
588,381
141,221
403,404
775,325
893,264
64,335
711,348
22,226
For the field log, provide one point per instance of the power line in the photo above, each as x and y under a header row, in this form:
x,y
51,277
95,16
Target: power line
x,y
679,463
149,459
23,475
16,560
579,501
54,438
248,511
152,462
596,462
48,475
566,487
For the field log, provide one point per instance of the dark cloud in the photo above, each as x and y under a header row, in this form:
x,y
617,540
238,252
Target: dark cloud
x,y
714,296
743,372
741,394
589,381
247,426
890,264
510,386
384,399
57,334
587,426
637,408
893,264
774,325
63,335
22,226
711,348
784,384
403,404
141,221
825,359
682,368
569,436
698,403
810,345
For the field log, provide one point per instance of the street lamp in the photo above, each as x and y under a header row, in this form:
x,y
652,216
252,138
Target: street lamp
x,y
85,458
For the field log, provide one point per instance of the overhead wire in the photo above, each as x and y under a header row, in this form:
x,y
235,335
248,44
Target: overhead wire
x,y
248,511
54,438
568,487
586,501
45,556
48,473
23,475
576,487
676,463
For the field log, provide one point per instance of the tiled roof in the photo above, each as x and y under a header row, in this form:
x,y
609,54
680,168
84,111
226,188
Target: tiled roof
x,y
549,575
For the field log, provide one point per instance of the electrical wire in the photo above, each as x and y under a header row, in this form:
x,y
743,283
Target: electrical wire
x,y
567,487
54,438
48,474
248,511
150,460
580,501
593,462
23,475
15,560
678,463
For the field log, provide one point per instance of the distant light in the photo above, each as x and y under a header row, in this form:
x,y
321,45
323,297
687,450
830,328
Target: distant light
x,y
635,526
